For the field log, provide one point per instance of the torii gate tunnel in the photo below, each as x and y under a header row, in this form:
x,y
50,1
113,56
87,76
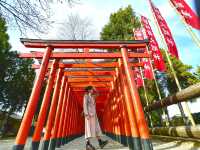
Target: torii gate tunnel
x,y
119,108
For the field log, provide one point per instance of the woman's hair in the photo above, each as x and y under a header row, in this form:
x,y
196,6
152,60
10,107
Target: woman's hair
x,y
88,88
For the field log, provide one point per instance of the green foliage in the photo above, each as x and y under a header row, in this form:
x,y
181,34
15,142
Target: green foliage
x,y
120,25
11,127
18,81
4,49
16,77
152,96
4,45
197,73
156,118
151,92
177,121
196,117
183,72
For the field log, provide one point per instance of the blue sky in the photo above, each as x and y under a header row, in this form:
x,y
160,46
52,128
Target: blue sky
x,y
99,11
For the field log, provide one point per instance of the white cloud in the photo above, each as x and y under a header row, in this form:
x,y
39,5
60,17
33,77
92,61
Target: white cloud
x,y
166,9
99,12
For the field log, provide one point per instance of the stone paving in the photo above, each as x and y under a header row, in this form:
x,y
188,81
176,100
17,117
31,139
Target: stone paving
x,y
79,144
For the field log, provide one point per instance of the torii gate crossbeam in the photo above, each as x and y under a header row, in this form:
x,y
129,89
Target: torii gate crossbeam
x,y
63,120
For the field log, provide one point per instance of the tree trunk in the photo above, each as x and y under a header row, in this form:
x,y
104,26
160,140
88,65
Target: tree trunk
x,y
184,95
4,127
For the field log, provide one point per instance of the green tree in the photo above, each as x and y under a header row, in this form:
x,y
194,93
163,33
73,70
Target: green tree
x,y
4,50
152,96
166,82
120,25
197,73
16,77
18,82
183,72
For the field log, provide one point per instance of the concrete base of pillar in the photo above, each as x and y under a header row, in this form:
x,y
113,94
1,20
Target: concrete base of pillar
x,y
18,147
35,145
45,145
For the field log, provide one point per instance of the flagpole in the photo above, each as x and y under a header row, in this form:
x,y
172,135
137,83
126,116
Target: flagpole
x,y
195,39
145,91
145,94
186,110
157,88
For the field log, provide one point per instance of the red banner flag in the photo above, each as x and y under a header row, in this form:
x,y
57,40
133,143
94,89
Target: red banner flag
x,y
147,69
188,14
138,34
165,31
138,77
153,46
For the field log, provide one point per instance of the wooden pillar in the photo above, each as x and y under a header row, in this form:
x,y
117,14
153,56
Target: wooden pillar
x,y
44,107
134,138
62,116
32,104
66,117
139,113
52,111
52,144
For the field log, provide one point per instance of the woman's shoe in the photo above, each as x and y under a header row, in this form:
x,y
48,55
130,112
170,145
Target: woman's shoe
x,y
90,147
102,143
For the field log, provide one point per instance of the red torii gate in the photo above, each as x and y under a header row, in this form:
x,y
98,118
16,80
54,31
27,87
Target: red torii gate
x,y
119,103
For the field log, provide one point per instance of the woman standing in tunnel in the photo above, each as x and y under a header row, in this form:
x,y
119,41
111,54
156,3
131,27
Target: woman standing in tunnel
x,y
92,127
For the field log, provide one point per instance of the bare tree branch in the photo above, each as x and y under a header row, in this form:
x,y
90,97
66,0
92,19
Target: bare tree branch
x,y
77,28
29,14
